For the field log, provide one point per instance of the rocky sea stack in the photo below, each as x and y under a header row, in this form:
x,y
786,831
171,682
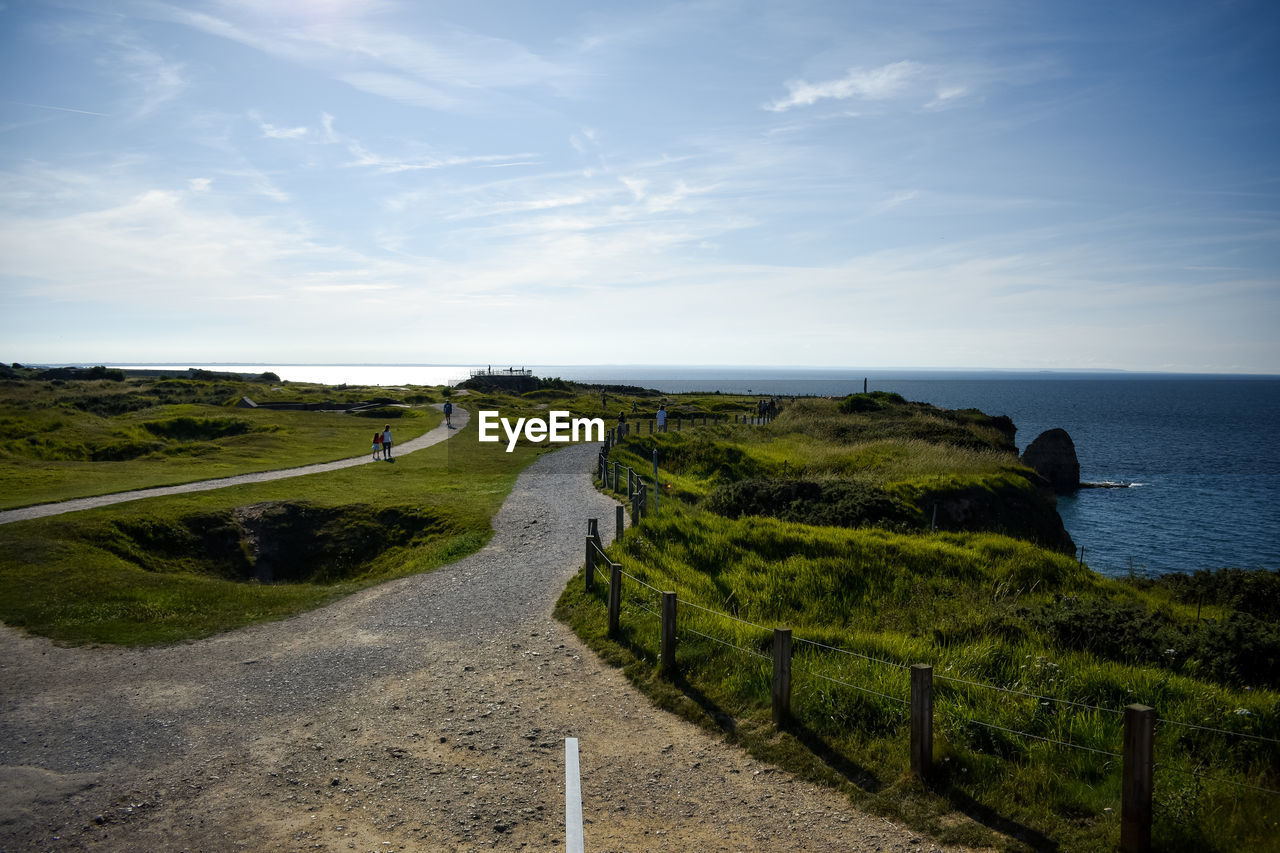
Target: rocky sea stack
x,y
1053,456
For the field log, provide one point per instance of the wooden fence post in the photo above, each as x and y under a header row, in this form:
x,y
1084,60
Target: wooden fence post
x,y
922,720
593,530
631,483
615,598
591,565
668,665
617,526
1136,785
781,676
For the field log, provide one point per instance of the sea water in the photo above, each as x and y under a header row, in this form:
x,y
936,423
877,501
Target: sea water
x,y
1200,454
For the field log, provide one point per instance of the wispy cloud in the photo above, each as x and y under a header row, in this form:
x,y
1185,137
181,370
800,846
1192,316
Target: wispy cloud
x,y
59,109
398,87
153,80
446,68
270,131
875,84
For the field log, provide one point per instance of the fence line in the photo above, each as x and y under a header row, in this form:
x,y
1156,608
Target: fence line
x,y
742,649
1262,738
1029,695
1045,739
1139,721
997,688
854,686
1216,779
854,654
725,615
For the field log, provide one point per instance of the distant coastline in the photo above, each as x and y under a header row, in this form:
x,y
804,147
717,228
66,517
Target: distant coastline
x,y
668,378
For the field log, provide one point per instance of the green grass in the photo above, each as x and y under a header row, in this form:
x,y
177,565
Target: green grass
x,y
955,601
68,441
123,574
1015,771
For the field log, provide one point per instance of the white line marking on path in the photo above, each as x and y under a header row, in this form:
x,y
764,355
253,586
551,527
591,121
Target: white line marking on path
x,y
572,798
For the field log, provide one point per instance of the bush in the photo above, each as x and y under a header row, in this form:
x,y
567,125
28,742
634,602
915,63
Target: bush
x,y
697,456
1238,650
1256,592
838,503
382,413
122,451
197,429
870,402
108,405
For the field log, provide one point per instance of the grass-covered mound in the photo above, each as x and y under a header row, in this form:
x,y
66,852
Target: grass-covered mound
x,y
94,434
822,522
171,569
881,462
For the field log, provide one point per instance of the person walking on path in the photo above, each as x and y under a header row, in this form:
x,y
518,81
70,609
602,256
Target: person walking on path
x,y
377,445
662,418
386,442
448,414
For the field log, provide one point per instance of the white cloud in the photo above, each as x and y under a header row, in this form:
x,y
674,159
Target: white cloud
x,y
877,84
272,132
445,68
898,198
147,243
398,87
947,96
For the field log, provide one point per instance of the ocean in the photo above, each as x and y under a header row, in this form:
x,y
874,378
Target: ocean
x,y
1202,452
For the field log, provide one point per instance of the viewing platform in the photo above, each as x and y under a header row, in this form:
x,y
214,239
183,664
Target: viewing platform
x,y
514,379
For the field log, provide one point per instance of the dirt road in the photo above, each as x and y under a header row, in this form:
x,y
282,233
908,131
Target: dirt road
x,y
425,714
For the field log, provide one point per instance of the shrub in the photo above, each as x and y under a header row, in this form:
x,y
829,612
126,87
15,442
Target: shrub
x,y
197,429
1238,650
121,451
1256,592
382,413
839,503
873,401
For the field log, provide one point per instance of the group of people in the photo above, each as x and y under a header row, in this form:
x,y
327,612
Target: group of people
x,y
382,444
382,440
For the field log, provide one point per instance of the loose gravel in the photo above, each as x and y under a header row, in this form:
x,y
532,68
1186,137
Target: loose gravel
x,y
428,713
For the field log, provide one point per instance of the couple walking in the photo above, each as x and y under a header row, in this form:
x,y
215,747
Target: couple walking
x,y
382,443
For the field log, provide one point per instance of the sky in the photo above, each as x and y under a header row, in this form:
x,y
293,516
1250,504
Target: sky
x,y
1023,185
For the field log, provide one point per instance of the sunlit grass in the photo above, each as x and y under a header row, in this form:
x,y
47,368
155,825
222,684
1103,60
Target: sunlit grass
x,y
67,578
1027,734
865,605
55,450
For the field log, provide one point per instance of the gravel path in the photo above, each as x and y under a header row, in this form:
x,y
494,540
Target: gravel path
x,y
434,436
428,713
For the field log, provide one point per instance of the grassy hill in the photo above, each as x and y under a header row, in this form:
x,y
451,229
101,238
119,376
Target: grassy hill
x,y
824,521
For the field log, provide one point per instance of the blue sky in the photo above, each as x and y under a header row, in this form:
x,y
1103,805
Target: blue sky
x,y
988,184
